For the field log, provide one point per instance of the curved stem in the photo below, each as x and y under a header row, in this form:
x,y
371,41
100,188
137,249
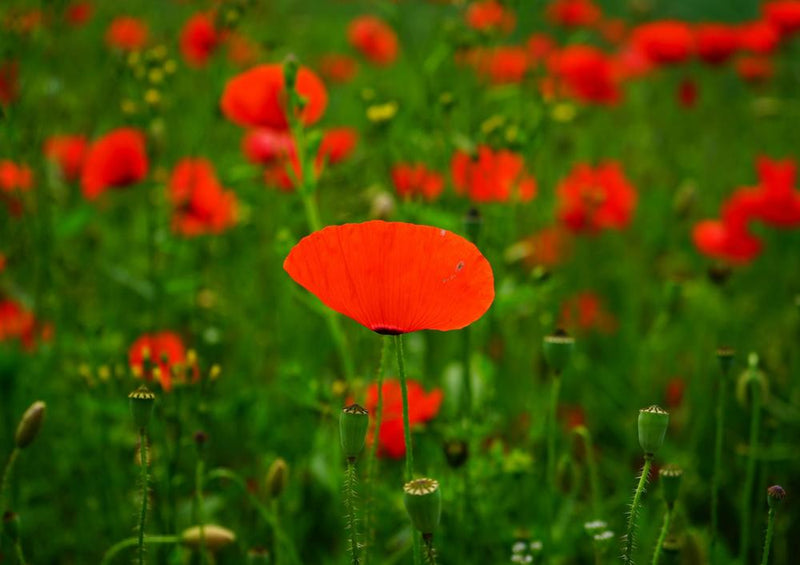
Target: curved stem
x,y
634,512
768,538
131,542
662,536
12,459
143,513
350,508
715,481
747,492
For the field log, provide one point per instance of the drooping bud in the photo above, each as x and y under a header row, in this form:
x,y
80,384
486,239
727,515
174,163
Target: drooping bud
x,y
30,424
277,477
775,496
423,501
725,356
141,401
216,537
653,423
558,349
11,525
353,424
671,476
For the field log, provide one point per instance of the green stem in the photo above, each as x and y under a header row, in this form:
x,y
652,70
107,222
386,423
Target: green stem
x,y
715,481
276,549
12,459
430,551
662,536
131,542
143,479
555,389
634,512
591,464
768,538
200,507
350,508
466,411
373,451
18,551
749,483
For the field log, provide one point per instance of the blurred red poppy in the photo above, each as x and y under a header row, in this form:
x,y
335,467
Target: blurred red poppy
x,y
501,65
755,69
586,73
758,37
338,68
264,145
374,39
492,176
154,356
490,15
116,160
201,204
592,199
422,407
783,14
779,199
664,42
573,13
393,277
546,248
199,39
241,51
257,97
15,177
674,392
613,30
9,81
718,240
716,43
79,12
585,311
336,146
412,180
68,151
19,323
539,46
127,33
687,93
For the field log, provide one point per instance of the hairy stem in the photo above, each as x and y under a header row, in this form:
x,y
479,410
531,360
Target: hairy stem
x,y
350,495
143,480
555,389
749,482
715,480
663,535
131,542
634,512
430,551
768,537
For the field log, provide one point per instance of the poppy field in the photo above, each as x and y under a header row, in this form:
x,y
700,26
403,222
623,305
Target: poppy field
x,y
399,282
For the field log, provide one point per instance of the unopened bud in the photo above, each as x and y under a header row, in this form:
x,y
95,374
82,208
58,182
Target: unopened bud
x,y
775,495
277,477
216,537
423,501
653,422
30,424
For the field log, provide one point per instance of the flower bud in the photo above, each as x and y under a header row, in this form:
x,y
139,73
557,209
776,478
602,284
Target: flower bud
x,y
775,495
216,537
725,356
277,477
653,423
671,476
141,401
11,525
353,424
423,501
558,350
30,424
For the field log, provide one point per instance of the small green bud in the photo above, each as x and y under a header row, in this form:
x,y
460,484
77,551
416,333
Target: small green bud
x,y
11,525
725,356
558,349
141,401
775,496
423,501
216,537
353,424
653,423
671,476
30,424
277,477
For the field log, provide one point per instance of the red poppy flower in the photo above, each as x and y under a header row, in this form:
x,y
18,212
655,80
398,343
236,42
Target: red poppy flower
x,y
415,179
393,277
201,204
664,42
16,321
422,407
573,13
716,43
783,14
687,93
79,12
336,146
15,177
540,46
256,98
9,81
127,33
502,65
720,241
758,37
586,73
613,30
199,39
594,199
630,62
338,68
779,200
755,69
490,15
68,151
585,311
374,39
155,355
116,160
497,176
265,145
546,248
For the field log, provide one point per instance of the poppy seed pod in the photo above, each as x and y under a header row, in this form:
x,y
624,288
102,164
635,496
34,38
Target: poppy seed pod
x,y
30,424
423,501
653,423
558,350
277,477
141,401
671,476
725,356
353,424
216,537
775,495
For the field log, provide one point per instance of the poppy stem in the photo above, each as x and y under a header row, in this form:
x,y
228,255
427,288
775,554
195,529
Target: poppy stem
x,y
143,479
401,369
7,479
350,480
633,515
750,476
555,389
768,537
663,535
715,480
